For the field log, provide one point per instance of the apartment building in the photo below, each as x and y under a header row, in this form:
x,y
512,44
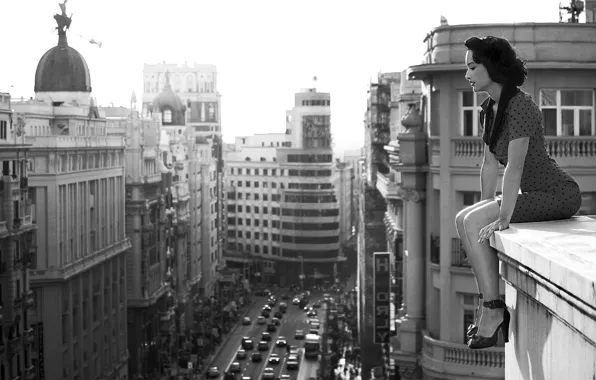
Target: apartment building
x,y
196,85
76,192
433,172
17,235
283,193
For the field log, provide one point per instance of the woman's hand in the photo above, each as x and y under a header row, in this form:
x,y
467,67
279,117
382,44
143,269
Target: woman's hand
x,y
487,231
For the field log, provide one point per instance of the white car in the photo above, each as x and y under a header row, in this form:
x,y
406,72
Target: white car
x,y
274,359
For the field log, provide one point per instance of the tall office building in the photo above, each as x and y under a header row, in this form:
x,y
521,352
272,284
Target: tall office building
x,y
76,192
17,233
196,86
283,193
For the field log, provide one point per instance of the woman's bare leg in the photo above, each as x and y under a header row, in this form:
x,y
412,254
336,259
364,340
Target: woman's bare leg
x,y
459,226
485,263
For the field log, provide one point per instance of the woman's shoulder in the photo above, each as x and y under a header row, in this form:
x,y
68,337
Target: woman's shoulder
x,y
523,103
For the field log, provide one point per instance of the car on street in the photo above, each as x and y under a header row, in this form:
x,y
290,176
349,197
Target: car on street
x,y
276,321
213,373
271,327
292,362
283,307
285,376
268,374
295,301
285,297
263,346
241,354
265,313
256,357
314,320
314,331
245,378
316,304
281,341
261,320
247,343
235,367
246,321
266,337
312,313
299,334
274,359
278,315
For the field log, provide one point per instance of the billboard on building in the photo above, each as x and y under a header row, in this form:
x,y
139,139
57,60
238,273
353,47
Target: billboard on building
x,y
316,131
203,112
382,296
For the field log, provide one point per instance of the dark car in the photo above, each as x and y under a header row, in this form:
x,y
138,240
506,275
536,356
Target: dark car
x,y
246,321
299,334
285,297
263,346
271,327
312,313
316,304
266,337
241,355
247,343
213,372
268,374
235,367
256,357
278,314
276,321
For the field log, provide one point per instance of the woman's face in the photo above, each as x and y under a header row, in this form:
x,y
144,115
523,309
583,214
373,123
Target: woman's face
x,y
477,74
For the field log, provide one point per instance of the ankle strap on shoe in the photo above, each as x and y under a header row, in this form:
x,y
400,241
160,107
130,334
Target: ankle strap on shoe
x,y
494,304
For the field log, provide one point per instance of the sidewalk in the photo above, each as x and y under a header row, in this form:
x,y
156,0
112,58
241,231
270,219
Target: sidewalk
x,y
347,375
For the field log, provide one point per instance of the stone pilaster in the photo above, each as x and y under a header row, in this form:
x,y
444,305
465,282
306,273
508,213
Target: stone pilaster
x,y
413,170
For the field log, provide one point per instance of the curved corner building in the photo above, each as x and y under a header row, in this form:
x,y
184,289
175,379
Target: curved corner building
x,y
298,230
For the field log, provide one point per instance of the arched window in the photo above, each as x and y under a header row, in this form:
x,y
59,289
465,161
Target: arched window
x,y
167,116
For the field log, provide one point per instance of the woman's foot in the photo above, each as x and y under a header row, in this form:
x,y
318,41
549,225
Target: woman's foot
x,y
489,321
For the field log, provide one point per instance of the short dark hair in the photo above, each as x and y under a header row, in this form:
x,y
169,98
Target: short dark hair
x,y
500,59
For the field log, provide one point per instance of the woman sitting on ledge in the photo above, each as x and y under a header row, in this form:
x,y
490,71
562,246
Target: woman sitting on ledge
x,y
513,136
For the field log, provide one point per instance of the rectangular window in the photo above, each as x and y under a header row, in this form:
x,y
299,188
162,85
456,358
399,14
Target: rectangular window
x,y
568,112
470,113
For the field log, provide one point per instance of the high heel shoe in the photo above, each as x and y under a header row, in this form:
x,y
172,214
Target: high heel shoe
x,y
478,341
473,329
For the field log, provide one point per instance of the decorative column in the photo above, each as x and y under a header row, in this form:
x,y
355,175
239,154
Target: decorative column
x,y
413,169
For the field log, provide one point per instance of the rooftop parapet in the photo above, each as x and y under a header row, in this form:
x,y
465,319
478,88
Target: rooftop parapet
x,y
549,270
544,45
64,141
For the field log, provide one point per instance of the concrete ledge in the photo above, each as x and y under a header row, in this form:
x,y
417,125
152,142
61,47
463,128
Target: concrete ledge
x,y
549,271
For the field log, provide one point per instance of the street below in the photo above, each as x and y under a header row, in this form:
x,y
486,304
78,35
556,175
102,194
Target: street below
x,y
294,319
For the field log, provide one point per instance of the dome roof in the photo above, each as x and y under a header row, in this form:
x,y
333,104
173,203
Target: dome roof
x,y
62,68
168,98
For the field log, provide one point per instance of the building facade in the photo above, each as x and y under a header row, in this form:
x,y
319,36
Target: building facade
x,y
77,187
283,199
433,171
196,86
17,235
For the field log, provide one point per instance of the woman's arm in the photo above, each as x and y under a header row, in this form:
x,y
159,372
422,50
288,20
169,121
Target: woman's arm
x,y
516,152
489,175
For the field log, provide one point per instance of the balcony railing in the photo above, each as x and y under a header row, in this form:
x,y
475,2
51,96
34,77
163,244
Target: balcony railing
x,y
458,254
152,178
388,185
566,150
449,358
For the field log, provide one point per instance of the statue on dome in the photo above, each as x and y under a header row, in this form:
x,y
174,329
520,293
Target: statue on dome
x,y
62,19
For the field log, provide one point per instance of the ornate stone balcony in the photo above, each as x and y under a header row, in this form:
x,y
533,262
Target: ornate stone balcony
x,y
439,358
549,271
468,151
388,185
65,141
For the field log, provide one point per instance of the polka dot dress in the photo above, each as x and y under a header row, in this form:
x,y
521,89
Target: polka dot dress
x,y
548,192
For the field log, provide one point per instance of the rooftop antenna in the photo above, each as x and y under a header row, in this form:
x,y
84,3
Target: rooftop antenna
x,y
575,8
314,79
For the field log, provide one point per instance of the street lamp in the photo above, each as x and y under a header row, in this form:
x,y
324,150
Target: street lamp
x,y
301,276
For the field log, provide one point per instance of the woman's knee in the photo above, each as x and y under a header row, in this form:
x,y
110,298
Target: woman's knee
x,y
480,217
461,215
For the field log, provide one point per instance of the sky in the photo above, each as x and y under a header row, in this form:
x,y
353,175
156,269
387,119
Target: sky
x,y
265,50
